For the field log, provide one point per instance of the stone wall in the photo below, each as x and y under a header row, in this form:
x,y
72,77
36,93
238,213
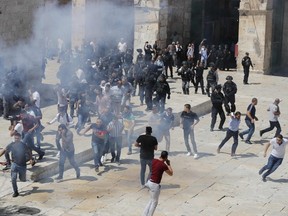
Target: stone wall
x,y
285,36
16,20
179,20
255,32
147,19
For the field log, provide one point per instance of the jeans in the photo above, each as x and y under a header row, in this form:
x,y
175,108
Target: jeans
x,y
250,130
70,155
154,191
129,134
143,163
15,169
272,125
229,134
98,151
272,165
82,119
187,132
28,139
118,142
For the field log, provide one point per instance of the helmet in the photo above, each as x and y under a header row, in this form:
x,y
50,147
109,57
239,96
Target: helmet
x,y
218,87
229,78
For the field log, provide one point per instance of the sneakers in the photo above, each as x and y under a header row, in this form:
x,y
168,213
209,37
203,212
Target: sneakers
x,y
97,169
129,153
58,154
58,178
78,174
241,136
196,156
248,142
264,179
261,133
188,154
102,159
41,156
16,194
7,167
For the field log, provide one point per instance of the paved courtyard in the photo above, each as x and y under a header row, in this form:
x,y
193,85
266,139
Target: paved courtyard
x,y
213,185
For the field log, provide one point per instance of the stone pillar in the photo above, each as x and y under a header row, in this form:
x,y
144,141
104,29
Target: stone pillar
x,y
285,35
78,22
147,15
255,33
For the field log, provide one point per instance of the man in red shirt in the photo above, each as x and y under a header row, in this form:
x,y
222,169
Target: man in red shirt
x,y
158,167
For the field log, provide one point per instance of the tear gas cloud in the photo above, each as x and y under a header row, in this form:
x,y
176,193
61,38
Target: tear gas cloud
x,y
105,23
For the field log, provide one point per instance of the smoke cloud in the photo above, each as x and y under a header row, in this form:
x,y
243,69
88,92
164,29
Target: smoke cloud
x,y
105,23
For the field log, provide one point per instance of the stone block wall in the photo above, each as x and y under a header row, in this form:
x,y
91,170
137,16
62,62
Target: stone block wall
x,y
285,36
16,20
255,32
179,20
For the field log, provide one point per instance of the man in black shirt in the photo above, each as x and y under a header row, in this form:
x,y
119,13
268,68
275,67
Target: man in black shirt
x,y
147,144
19,151
188,120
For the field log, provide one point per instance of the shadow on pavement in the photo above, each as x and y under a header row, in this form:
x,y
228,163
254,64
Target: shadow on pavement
x,y
282,180
170,186
35,190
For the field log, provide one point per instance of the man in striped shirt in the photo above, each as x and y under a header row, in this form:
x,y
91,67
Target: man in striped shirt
x,y
115,128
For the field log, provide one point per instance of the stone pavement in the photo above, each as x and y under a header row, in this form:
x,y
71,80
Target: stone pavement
x,y
214,184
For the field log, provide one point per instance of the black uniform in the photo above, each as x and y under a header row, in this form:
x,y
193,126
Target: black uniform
x,y
229,89
186,76
217,99
246,63
199,79
211,80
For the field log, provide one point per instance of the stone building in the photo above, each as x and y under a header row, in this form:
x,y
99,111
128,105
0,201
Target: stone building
x,y
259,27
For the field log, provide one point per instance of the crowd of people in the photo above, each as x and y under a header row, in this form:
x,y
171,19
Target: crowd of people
x,y
100,83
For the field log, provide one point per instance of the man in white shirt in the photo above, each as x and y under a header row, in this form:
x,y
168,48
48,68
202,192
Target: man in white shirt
x,y
276,157
274,113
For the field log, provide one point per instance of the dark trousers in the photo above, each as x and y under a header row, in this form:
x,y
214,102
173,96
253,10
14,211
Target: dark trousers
x,y
63,155
231,100
170,66
273,124
215,111
210,85
246,75
115,142
148,98
201,82
230,134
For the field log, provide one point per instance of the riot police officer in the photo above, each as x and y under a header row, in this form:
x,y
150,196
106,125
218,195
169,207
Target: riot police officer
x,y
186,75
212,79
217,99
229,90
